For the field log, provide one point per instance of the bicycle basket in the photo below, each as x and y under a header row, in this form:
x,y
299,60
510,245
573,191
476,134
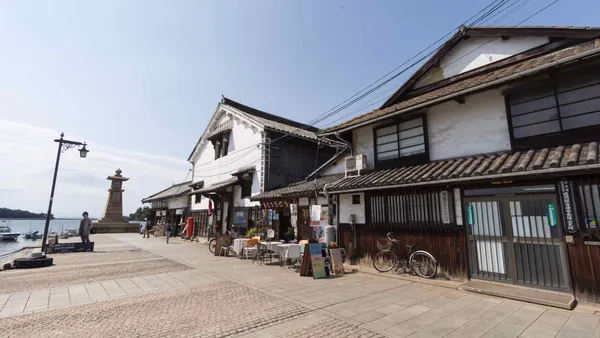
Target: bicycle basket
x,y
384,246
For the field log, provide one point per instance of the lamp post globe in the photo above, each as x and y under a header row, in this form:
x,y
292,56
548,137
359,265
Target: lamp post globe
x,y
83,151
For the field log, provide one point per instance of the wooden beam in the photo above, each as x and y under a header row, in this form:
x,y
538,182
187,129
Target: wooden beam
x,y
460,100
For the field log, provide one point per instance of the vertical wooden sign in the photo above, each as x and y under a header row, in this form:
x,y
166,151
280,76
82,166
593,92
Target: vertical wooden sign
x,y
336,261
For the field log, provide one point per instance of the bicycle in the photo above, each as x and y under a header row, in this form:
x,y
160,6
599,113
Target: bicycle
x,y
421,262
212,241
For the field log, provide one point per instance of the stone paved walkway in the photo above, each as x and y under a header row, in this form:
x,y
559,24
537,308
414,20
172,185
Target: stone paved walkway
x,y
209,296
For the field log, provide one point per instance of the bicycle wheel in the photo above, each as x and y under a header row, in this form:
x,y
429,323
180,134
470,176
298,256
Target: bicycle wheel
x,y
212,245
384,261
423,265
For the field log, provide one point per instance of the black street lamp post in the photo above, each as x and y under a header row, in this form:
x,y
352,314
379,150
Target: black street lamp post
x,y
63,145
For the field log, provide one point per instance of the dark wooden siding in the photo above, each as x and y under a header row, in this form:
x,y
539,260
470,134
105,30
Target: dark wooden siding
x,y
584,261
292,160
200,222
449,248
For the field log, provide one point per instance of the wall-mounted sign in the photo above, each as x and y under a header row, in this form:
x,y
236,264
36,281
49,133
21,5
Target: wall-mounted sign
x,y
445,207
565,190
469,214
274,204
552,214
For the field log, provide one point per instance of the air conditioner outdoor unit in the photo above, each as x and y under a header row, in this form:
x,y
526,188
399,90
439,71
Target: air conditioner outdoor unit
x,y
355,164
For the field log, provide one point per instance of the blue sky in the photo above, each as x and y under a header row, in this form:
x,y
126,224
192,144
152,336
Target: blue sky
x,y
139,79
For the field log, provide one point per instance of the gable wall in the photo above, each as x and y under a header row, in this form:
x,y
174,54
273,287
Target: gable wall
x,y
241,153
477,52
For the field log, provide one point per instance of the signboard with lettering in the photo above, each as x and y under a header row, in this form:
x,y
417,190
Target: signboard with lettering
x,y
469,214
337,263
552,214
275,204
316,259
565,190
71,247
445,207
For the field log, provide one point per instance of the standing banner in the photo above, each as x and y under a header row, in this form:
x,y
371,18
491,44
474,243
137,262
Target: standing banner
x,y
316,259
336,261
294,218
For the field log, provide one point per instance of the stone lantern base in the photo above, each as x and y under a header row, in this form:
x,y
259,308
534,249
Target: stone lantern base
x,y
104,228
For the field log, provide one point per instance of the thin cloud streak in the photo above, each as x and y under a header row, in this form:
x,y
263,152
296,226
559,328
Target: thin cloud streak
x,y
28,155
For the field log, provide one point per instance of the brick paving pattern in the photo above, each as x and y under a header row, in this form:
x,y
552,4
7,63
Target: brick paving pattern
x,y
227,297
123,254
193,312
329,327
24,280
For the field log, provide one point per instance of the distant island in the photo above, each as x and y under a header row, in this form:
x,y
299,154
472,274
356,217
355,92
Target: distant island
x,y
17,213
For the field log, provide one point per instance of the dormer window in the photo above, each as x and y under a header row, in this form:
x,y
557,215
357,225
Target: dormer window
x,y
221,144
402,143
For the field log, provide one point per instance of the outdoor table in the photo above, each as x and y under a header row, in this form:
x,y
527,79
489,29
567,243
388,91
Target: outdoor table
x,y
271,246
283,248
239,244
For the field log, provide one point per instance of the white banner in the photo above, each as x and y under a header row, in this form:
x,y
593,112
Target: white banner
x,y
294,215
315,214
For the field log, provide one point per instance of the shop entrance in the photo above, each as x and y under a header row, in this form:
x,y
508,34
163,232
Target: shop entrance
x,y
517,239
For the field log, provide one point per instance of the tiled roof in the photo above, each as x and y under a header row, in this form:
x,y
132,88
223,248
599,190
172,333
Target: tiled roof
x,y
299,188
562,33
533,162
471,82
243,170
175,190
218,186
274,122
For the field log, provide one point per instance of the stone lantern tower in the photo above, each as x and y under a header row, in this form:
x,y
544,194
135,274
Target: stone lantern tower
x,y
112,219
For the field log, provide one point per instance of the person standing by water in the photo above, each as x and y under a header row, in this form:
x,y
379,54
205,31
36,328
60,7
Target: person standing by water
x,y
168,230
84,228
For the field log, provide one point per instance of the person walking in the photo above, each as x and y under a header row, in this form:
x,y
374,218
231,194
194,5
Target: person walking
x,y
147,228
84,228
168,230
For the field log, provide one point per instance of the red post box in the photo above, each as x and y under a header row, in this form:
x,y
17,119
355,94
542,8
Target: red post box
x,y
190,227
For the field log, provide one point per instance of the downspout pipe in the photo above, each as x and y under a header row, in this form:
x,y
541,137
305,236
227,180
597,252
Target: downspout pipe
x,y
348,145
473,89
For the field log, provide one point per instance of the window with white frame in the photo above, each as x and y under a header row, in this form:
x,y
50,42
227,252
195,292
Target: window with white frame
x,y
400,140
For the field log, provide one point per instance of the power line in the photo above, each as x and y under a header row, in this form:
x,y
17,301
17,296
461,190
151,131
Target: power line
x,y
326,114
353,99
501,12
504,31
512,11
487,13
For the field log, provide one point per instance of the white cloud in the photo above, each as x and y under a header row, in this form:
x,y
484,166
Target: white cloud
x,y
27,158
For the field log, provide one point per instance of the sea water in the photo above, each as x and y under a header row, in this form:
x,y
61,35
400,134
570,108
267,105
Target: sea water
x,y
25,225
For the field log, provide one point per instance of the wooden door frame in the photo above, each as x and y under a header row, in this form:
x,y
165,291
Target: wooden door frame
x,y
505,219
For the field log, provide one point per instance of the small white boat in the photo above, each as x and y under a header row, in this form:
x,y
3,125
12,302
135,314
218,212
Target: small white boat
x,y
6,233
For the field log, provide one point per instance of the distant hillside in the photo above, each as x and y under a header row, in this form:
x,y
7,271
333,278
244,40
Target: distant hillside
x,y
14,214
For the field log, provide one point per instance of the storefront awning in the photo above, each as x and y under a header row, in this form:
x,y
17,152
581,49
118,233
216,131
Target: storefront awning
x,y
298,189
218,186
571,159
